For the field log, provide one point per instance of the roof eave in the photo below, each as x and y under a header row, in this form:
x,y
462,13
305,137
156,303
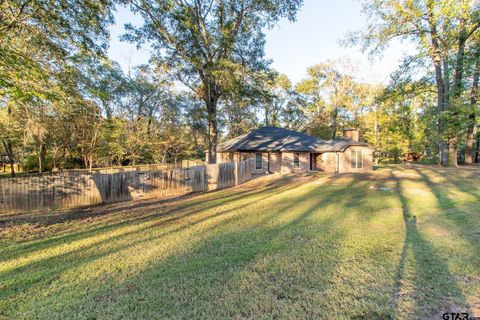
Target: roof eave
x,y
359,144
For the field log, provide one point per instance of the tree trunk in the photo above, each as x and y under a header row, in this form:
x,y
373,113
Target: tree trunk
x,y
212,137
211,102
85,161
266,116
108,110
9,149
54,160
443,152
41,157
477,153
441,106
376,131
469,142
456,93
471,118
11,159
334,123
90,162
440,83
452,151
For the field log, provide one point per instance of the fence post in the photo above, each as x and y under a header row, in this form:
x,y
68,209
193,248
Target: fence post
x,y
235,172
236,160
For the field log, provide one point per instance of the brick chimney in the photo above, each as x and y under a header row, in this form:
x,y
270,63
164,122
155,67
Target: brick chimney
x,y
351,134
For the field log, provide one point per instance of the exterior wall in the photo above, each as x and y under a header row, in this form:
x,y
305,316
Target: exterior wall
x,y
287,162
345,159
273,164
275,160
327,162
283,161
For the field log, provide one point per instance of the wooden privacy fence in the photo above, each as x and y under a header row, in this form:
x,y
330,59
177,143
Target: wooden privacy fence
x,y
67,190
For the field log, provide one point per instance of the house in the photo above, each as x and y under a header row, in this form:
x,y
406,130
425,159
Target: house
x,y
285,151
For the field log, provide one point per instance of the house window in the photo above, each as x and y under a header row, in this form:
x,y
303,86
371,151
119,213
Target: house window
x,y
356,159
296,160
258,160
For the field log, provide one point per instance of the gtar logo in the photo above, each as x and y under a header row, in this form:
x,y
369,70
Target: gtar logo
x,y
455,316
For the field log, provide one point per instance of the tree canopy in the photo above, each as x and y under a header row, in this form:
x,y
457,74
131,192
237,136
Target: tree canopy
x,y
446,34
210,46
64,104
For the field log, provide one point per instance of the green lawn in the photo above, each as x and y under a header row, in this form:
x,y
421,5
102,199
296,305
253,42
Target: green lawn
x,y
401,242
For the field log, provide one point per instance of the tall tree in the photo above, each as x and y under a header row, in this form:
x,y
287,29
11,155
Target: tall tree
x,y
34,35
271,94
37,42
472,117
103,82
441,30
208,44
11,134
334,97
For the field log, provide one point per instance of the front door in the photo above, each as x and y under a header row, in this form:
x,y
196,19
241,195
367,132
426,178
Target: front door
x,y
312,162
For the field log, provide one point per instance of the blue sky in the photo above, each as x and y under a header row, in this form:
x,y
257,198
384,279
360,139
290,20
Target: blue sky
x,y
293,47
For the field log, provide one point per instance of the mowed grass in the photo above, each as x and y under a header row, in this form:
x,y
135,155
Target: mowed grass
x,y
401,242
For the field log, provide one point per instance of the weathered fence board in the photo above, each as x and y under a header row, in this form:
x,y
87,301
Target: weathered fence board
x,y
67,189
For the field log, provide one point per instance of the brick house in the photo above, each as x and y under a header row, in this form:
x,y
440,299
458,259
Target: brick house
x,y
285,151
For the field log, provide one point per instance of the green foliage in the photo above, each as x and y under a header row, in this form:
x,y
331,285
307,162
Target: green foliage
x,y
212,47
38,74
446,36
64,105
400,121
334,99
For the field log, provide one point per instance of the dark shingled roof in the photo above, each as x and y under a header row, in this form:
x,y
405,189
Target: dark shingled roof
x,y
278,139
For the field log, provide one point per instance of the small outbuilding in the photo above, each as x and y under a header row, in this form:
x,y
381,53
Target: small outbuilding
x,y
285,151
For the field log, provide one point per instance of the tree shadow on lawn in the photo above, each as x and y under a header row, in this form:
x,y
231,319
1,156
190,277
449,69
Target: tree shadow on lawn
x,y
214,278
48,269
467,228
435,289
194,205
280,264
149,221
462,179
362,190
463,218
220,259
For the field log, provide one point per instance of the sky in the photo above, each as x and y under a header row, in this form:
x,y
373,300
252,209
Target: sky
x,y
293,46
